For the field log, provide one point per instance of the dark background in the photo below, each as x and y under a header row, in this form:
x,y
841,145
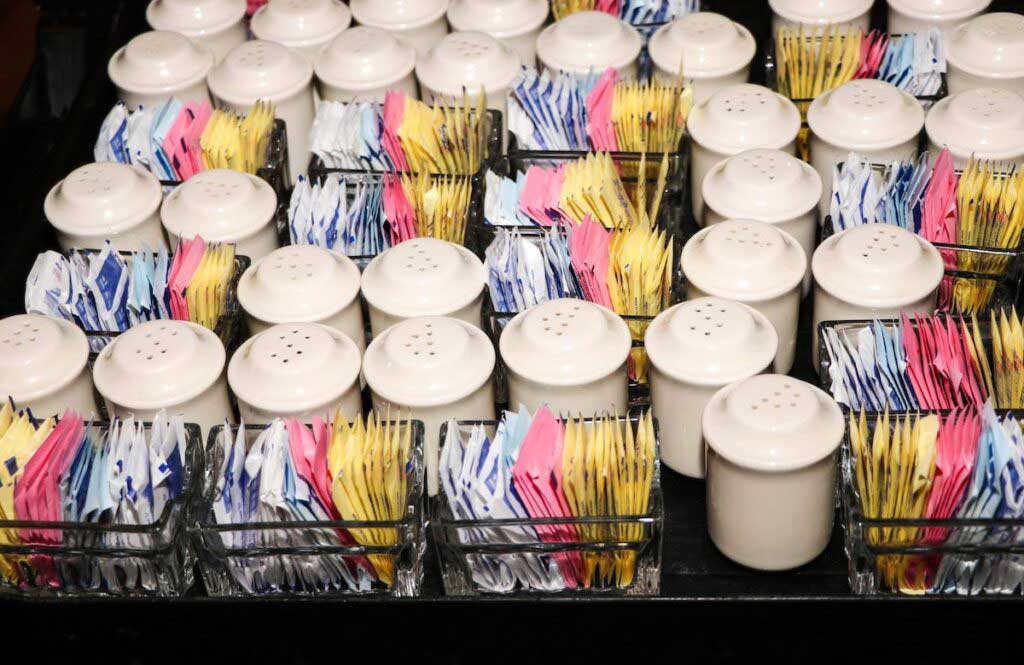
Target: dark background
x,y
53,94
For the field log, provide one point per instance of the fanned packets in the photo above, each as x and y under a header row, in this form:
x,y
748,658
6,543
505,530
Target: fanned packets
x,y
634,12
542,468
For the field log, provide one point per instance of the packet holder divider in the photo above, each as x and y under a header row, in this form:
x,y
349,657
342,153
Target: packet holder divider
x,y
219,558
89,555
642,536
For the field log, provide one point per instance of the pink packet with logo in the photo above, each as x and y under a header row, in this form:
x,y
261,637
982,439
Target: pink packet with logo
x,y
608,6
194,132
174,145
399,212
394,112
599,112
184,263
588,253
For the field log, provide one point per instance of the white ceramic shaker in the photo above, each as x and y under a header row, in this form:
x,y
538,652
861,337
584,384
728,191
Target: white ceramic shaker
x,y
695,348
173,365
871,118
590,41
514,23
819,13
713,51
302,283
987,52
771,470
418,23
731,121
423,277
106,201
217,25
922,15
569,354
262,70
306,26
222,205
768,186
873,271
987,123
363,64
431,369
44,366
158,65
751,262
296,370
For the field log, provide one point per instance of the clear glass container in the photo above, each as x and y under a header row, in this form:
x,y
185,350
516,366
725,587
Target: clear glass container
x,y
296,559
463,544
85,559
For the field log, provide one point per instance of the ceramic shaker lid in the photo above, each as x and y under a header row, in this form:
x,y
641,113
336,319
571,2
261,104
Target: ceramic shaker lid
x,y
102,198
588,41
194,18
744,116
397,14
498,18
259,69
820,11
467,61
865,114
985,122
990,45
300,23
941,10
39,355
769,185
363,58
159,61
221,205
706,44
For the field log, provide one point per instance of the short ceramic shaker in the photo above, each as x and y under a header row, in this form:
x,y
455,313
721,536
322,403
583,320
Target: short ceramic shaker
x,y
873,271
302,283
262,70
987,123
164,364
44,366
423,277
222,205
732,120
872,118
769,186
468,61
217,25
590,41
713,50
569,354
296,370
921,15
514,23
695,348
431,368
158,65
418,23
771,483
819,13
306,26
363,64
106,201
754,263
987,52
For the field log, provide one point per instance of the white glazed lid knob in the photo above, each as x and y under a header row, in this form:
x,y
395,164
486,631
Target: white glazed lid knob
x,y
820,12
102,198
565,342
988,122
706,44
195,18
467,61
769,185
157,61
877,265
744,116
427,361
39,355
363,58
991,45
588,40
294,367
260,69
498,18
298,283
398,14
299,23
159,364
939,10
866,114
423,277
221,205
711,341
743,260
772,423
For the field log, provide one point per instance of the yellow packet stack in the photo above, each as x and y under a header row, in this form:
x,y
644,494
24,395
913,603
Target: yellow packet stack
x,y
650,115
592,187
441,204
207,292
562,8
230,141
448,140
368,467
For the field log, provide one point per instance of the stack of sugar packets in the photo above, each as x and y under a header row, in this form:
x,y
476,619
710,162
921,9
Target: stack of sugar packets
x,y
634,12
537,467
106,291
360,472
968,464
176,140
71,471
